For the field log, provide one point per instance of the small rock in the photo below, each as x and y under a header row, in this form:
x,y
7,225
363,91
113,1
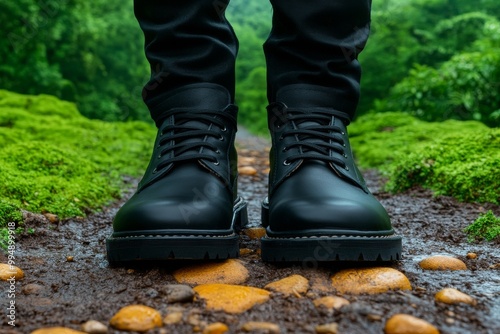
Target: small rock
x,y
407,324
56,330
369,280
178,293
471,256
94,327
137,318
255,232
52,218
216,328
7,272
231,298
228,272
453,296
441,262
32,289
70,258
261,327
194,319
330,328
450,321
495,266
247,170
331,302
245,251
245,161
374,317
172,318
293,285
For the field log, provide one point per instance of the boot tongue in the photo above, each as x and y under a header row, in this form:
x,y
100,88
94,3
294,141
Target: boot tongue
x,y
199,96
304,96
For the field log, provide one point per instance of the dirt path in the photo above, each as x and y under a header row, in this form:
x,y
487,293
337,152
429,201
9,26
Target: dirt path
x,y
58,292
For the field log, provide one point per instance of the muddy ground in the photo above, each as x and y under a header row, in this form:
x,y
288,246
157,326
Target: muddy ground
x,y
56,292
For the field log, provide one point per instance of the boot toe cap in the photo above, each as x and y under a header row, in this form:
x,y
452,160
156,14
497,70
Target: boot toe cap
x,y
163,209
333,215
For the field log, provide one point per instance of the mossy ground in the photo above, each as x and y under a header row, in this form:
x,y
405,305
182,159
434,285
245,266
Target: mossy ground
x,y
455,158
487,227
54,160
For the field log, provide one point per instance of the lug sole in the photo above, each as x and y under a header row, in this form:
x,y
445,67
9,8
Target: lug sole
x,y
190,246
310,250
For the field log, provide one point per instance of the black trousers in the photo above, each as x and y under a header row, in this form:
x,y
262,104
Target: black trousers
x,y
313,42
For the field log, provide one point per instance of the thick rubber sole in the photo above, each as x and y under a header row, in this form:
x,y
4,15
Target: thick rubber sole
x,y
191,245
331,248
320,246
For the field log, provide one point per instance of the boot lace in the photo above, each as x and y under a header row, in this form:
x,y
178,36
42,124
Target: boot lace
x,y
314,137
189,137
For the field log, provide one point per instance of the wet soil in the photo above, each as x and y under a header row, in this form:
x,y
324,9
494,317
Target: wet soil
x,y
58,292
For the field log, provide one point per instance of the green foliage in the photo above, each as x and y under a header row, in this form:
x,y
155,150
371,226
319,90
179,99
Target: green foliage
x,y
252,23
464,87
456,35
487,227
459,159
406,34
86,52
54,160
251,15
253,101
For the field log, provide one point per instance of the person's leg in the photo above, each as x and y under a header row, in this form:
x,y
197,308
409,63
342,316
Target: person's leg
x,y
186,205
186,42
318,208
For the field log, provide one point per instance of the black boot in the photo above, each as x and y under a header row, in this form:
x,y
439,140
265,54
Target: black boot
x,y
186,205
319,208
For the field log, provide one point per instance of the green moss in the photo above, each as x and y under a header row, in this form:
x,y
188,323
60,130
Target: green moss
x,y
487,227
454,158
54,160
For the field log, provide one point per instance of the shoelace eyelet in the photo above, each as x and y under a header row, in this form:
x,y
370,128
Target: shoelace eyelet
x,y
286,163
216,163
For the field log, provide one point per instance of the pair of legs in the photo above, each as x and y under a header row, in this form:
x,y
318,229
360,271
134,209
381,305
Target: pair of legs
x,y
186,205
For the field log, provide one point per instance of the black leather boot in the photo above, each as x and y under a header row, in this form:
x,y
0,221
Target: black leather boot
x,y
319,208
186,205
